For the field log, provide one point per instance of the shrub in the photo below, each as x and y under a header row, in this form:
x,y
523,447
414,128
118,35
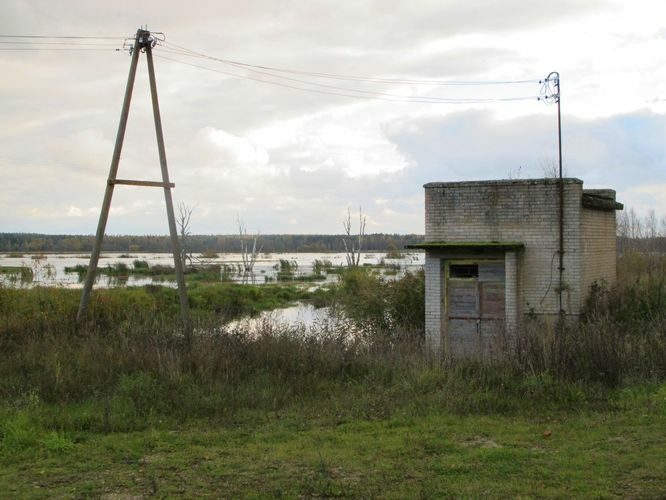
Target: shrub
x,y
383,306
321,266
119,269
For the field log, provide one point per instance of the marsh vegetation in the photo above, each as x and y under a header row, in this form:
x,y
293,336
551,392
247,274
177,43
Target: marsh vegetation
x,y
354,408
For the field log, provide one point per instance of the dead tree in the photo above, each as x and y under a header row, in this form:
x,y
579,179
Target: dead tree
x,y
651,229
353,244
184,232
249,250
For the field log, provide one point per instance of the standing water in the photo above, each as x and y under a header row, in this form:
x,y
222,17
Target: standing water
x,y
26,270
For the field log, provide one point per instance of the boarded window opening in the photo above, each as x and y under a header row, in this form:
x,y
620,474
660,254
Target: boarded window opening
x,y
464,271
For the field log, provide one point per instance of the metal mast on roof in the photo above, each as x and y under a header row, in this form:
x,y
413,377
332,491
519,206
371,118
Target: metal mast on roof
x,y
551,93
143,43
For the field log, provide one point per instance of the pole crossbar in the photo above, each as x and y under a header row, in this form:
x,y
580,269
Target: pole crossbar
x,y
143,42
127,182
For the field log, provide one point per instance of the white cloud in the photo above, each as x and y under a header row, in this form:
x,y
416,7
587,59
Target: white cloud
x,y
220,148
350,140
85,149
290,160
74,212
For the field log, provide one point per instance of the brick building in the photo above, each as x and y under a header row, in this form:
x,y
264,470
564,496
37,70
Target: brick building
x,y
492,256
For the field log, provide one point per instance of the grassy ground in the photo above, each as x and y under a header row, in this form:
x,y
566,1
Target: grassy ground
x,y
299,453
123,406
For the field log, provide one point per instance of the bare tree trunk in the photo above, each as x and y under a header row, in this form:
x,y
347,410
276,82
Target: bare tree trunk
x,y
183,222
353,245
248,254
651,225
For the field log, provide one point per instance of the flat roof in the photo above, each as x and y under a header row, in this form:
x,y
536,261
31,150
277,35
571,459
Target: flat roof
x,y
503,182
596,200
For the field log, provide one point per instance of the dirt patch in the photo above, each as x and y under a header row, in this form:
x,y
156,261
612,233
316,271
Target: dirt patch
x,y
480,442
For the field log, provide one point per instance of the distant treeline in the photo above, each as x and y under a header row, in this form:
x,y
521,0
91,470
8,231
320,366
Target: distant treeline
x,y
32,242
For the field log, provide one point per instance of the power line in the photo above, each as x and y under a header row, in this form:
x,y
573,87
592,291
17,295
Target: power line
x,y
66,37
193,53
104,44
179,50
345,89
374,96
38,43
65,49
269,74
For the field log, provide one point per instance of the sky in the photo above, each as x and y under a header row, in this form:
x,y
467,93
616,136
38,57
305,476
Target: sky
x,y
243,143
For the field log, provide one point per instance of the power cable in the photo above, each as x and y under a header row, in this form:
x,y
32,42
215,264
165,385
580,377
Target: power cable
x,y
44,42
193,53
59,49
367,92
268,74
345,89
105,44
66,37
374,96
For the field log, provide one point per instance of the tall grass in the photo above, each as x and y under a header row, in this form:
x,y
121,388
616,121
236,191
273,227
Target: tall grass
x,y
621,335
129,364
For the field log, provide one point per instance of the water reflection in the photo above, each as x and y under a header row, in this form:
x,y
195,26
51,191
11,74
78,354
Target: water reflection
x,y
303,319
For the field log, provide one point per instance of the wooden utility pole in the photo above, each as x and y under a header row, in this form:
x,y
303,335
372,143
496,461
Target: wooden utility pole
x,y
143,42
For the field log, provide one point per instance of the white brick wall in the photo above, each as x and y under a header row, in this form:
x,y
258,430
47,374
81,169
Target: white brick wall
x,y
511,292
523,211
433,310
527,212
598,248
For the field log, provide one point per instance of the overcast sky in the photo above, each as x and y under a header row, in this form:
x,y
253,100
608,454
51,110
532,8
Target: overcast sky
x,y
290,161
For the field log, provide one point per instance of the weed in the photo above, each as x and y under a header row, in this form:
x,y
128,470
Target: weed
x,y
19,432
56,443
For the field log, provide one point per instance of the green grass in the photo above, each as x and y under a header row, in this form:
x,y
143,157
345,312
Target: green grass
x,y
54,309
11,269
120,269
121,405
300,451
142,268
14,273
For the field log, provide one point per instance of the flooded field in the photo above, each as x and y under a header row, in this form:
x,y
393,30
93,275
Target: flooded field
x,y
26,270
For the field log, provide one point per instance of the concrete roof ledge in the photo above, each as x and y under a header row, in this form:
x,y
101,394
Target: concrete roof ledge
x,y
601,202
503,182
